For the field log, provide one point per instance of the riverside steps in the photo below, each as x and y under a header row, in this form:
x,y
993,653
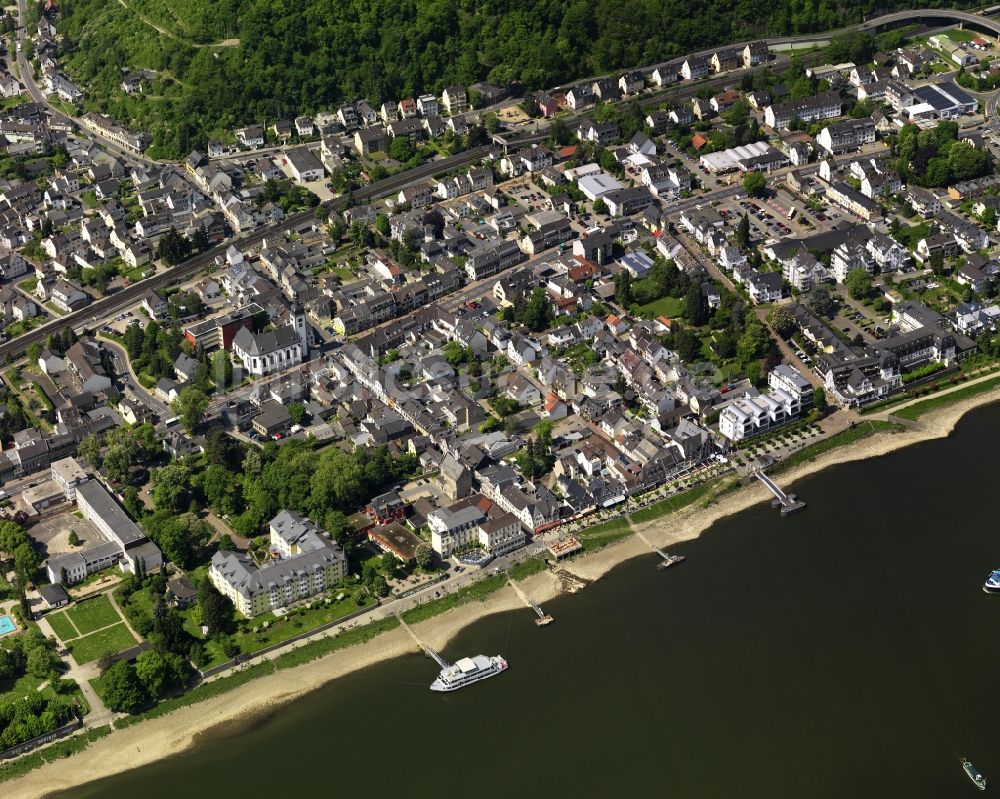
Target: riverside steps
x,y
543,617
788,503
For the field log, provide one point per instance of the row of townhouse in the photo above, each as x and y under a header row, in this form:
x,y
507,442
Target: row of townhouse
x,y
362,306
103,125
827,105
454,100
627,84
377,138
854,201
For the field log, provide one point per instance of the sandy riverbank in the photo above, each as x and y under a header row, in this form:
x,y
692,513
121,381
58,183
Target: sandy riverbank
x,y
162,737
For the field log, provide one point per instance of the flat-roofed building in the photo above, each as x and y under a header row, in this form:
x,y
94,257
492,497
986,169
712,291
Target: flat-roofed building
x,y
68,473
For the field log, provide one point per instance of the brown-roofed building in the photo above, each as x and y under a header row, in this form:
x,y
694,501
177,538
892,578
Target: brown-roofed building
x,y
396,539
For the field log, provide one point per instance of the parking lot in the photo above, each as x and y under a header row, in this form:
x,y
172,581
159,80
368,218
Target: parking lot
x,y
120,322
52,533
868,325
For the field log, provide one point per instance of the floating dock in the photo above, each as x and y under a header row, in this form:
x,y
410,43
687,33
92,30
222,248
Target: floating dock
x,y
669,560
543,617
788,503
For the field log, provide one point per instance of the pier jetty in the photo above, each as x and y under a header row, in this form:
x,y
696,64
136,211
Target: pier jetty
x,y
427,650
667,560
788,503
543,617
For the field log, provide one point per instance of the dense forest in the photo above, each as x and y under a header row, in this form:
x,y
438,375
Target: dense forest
x,y
300,57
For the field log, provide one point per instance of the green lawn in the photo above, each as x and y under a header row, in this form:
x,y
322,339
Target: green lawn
x,y
918,409
526,569
347,275
143,600
62,626
23,326
299,621
600,535
852,434
91,647
960,35
93,614
25,685
476,591
137,274
909,235
673,503
277,629
665,306
28,285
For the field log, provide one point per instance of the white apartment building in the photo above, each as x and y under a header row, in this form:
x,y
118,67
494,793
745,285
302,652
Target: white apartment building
x,y
749,416
823,106
453,530
501,535
847,135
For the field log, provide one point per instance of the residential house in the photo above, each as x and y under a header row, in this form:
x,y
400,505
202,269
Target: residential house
x,y
695,67
765,287
455,99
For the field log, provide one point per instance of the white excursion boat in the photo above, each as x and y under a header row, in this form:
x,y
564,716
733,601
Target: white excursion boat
x,y
992,584
467,671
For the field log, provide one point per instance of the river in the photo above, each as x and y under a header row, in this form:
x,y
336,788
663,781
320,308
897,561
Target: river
x,y
845,651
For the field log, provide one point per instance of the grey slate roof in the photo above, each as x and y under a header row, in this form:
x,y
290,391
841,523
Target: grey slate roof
x,y
124,529
265,343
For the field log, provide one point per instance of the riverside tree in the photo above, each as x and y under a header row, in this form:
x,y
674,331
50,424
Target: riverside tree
x,y
216,610
123,690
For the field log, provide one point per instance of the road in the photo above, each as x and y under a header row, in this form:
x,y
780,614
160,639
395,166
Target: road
x,y
123,367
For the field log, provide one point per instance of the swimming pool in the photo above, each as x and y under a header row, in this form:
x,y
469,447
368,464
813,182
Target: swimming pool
x,y
7,625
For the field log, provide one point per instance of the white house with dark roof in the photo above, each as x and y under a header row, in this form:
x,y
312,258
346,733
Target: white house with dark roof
x,y
272,351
